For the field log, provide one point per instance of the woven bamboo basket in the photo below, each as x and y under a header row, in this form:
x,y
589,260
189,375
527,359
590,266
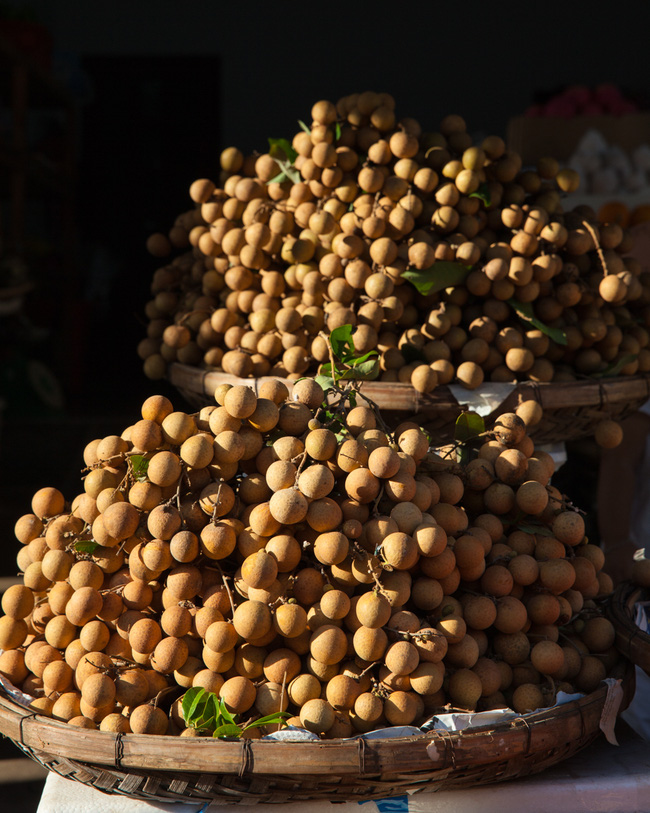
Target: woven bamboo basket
x,y
571,409
631,641
174,769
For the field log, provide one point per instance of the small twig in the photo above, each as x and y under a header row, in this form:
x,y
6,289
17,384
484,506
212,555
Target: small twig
x,y
594,237
225,584
365,671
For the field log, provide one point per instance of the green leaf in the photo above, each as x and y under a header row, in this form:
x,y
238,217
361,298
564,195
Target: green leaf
x,y
366,371
531,528
228,730
292,173
468,425
139,466
525,311
304,127
281,178
352,398
281,148
326,382
437,277
271,719
224,711
340,338
411,353
358,359
337,131
210,712
482,193
463,455
86,546
191,700
615,367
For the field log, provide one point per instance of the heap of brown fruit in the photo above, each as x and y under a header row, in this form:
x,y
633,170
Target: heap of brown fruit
x,y
287,555
430,245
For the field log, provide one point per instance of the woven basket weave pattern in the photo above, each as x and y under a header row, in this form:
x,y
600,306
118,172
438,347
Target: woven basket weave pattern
x,y
183,770
571,410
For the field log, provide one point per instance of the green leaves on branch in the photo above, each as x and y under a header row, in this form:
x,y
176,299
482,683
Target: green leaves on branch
x,y
615,367
525,311
534,528
348,366
86,546
139,466
204,710
284,154
468,425
482,193
437,277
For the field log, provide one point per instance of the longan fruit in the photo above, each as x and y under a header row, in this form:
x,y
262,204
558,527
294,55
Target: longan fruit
x,y
169,655
532,497
286,550
373,609
290,620
148,719
598,634
17,601
28,527
321,444
328,644
569,527
281,666
84,604
400,551
184,546
98,690
479,612
608,434
401,658
252,619
325,514
465,688
316,481
47,502
548,658
335,604
288,506
362,485
12,666
527,697
13,632
308,392
317,715
370,644
511,466
259,570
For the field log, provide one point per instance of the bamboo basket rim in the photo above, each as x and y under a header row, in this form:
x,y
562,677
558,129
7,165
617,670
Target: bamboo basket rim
x,y
597,393
631,641
175,769
341,756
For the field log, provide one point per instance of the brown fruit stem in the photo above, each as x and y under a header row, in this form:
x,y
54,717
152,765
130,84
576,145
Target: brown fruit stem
x,y
594,237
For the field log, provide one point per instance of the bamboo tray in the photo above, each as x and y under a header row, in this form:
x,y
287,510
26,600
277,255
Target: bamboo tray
x,y
571,409
631,641
174,769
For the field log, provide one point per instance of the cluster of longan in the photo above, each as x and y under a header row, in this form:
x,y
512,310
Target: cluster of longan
x,y
290,556
263,265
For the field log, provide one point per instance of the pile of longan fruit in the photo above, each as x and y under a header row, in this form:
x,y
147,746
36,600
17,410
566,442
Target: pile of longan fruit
x,y
286,555
261,266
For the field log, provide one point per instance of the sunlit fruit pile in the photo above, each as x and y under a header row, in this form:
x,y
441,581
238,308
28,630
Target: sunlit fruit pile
x,y
288,555
438,250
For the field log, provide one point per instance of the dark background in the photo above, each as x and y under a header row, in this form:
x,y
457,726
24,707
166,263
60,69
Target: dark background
x,y
159,89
